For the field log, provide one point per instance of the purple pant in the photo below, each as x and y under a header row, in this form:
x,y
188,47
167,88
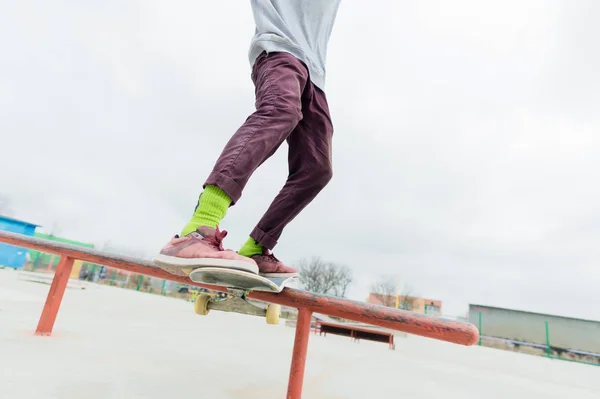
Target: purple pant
x,y
288,107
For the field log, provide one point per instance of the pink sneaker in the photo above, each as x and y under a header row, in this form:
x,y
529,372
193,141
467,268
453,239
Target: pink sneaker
x,y
270,266
201,248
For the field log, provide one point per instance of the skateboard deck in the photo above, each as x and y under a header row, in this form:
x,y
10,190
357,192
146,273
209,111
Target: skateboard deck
x,y
239,280
238,284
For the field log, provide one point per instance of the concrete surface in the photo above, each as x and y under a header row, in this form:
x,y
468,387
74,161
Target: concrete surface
x,y
115,343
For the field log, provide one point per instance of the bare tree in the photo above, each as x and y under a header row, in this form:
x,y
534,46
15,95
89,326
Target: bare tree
x,y
310,274
406,301
324,277
344,279
385,290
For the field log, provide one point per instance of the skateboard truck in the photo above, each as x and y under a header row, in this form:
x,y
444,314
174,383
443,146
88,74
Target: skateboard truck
x,y
238,284
235,303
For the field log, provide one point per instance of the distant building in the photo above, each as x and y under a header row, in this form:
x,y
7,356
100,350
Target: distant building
x,y
552,334
44,259
414,304
41,260
11,256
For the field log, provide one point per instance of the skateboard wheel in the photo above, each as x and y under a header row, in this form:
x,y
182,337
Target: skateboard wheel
x,y
273,311
201,304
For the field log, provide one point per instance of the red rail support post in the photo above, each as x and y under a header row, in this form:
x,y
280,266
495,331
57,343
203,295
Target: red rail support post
x,y
299,354
55,295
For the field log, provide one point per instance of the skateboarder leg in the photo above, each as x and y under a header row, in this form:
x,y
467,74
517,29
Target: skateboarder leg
x,y
289,78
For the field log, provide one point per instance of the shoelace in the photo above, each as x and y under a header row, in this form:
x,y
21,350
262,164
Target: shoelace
x,y
217,239
270,256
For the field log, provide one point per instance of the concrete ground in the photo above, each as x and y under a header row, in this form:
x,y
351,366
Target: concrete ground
x,y
116,343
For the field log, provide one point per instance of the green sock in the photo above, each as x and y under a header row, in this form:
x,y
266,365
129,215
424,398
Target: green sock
x,y
212,206
251,248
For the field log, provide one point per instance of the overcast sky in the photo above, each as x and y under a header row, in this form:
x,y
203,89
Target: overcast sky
x,y
466,149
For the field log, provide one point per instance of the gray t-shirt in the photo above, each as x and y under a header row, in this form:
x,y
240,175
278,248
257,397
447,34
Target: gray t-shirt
x,y
299,27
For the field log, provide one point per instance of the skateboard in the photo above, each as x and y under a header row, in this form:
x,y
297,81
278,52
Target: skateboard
x,y
239,284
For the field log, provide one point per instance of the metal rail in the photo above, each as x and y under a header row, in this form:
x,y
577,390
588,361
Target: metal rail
x,y
457,332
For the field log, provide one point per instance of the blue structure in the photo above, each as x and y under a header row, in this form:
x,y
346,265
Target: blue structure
x,y
14,256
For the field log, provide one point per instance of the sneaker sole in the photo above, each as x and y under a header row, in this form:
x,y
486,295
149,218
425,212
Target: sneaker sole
x,y
185,263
